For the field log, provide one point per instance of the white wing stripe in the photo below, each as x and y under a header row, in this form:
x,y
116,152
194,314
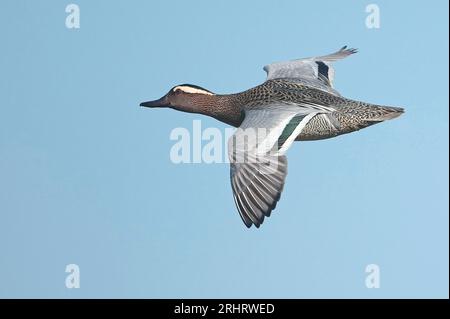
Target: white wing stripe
x,y
295,133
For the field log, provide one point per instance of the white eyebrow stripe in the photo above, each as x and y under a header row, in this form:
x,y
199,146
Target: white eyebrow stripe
x,y
189,89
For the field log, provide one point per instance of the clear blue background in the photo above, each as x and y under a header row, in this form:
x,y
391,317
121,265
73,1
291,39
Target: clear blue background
x,y
85,175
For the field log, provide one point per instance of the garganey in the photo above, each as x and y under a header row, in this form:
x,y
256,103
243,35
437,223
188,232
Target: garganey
x,y
297,102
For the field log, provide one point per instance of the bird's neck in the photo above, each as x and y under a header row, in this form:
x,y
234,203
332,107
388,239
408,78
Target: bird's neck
x,y
225,108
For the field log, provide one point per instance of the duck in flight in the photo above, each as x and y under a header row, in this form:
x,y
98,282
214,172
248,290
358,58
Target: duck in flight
x,y
297,102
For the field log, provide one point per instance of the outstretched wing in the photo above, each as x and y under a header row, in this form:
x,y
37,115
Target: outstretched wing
x,y
258,166
314,71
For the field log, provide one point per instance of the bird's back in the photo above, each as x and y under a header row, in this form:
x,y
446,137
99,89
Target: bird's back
x,y
345,116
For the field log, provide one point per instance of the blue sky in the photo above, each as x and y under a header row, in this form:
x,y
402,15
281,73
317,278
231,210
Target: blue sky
x,y
86,178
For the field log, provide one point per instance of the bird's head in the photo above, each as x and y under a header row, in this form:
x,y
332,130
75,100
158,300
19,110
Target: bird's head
x,y
186,97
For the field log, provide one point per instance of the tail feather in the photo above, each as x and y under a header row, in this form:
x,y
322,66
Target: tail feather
x,y
379,113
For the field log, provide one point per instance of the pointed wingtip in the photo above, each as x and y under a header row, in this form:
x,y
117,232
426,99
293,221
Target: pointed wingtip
x,y
348,50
